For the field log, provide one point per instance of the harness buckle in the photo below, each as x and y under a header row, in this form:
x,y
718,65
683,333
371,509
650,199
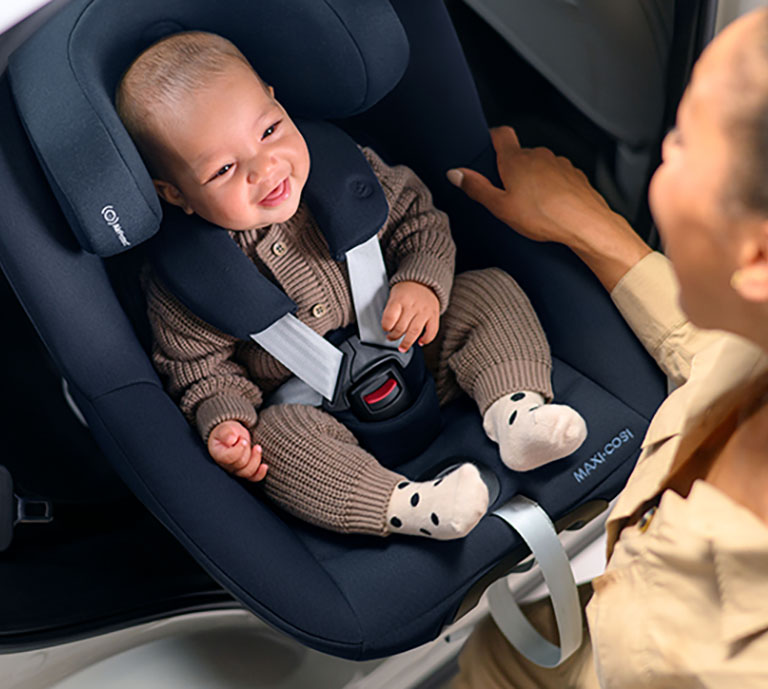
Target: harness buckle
x,y
380,394
372,382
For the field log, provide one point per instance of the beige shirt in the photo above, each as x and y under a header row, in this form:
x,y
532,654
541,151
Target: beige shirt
x,y
684,599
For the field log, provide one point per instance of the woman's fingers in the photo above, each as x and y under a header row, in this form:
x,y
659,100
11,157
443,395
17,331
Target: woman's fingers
x,y
478,188
504,137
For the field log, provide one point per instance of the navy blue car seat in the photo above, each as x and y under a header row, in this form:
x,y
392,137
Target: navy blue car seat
x,y
393,75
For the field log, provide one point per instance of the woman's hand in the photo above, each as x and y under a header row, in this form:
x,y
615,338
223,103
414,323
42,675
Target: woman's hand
x,y
545,198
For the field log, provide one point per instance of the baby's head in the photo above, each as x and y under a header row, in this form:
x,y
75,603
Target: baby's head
x,y
214,139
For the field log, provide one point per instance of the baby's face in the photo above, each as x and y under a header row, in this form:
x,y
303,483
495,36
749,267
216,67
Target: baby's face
x,y
233,155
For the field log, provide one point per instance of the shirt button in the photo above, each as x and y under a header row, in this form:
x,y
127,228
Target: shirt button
x,y
645,520
279,249
318,310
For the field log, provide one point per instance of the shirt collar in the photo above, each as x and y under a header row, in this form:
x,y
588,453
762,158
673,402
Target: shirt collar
x,y
718,374
739,541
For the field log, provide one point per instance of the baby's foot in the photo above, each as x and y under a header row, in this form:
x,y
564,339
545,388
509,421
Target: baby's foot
x,y
443,508
531,433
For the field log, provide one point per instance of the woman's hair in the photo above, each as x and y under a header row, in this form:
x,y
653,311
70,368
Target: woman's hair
x,y
163,77
748,124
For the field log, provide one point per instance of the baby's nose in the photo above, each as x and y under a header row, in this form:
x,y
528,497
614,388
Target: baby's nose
x,y
260,168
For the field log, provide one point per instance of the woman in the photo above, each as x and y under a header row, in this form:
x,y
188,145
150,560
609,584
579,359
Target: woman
x,y
684,599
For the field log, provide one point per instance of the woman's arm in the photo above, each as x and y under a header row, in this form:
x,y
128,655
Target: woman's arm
x,y
545,198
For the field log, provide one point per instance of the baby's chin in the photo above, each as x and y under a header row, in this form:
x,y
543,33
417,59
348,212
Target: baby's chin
x,y
277,215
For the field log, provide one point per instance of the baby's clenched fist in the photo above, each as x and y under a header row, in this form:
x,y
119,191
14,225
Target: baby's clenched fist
x,y
230,446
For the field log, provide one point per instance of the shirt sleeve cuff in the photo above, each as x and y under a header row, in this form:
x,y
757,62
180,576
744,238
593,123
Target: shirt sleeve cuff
x,y
647,297
215,410
428,270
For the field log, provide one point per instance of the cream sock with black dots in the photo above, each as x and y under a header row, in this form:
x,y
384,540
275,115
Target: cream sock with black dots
x,y
531,433
444,508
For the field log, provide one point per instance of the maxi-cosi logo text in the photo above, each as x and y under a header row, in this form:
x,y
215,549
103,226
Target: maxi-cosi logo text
x,y
599,458
113,220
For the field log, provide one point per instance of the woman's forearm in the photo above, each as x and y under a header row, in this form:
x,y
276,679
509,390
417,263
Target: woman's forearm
x,y
609,247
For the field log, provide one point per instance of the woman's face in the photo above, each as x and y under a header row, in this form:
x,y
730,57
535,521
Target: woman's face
x,y
702,232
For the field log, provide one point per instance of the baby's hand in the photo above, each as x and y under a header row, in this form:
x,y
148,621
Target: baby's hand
x,y
412,309
230,445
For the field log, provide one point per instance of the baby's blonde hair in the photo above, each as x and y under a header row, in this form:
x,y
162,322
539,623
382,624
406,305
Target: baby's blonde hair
x,y
162,77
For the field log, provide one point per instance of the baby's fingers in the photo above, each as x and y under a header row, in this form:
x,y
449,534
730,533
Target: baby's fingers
x,y
253,470
415,328
392,313
233,458
430,330
399,328
260,474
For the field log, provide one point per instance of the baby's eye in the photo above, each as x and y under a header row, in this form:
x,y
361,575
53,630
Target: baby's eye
x,y
269,131
221,172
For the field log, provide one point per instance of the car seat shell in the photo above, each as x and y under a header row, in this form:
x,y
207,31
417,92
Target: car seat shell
x,y
341,595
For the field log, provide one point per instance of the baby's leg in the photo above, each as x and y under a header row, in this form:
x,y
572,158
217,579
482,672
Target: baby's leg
x,y
318,472
492,346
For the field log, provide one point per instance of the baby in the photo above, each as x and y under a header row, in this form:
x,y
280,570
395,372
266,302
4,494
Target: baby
x,y
218,144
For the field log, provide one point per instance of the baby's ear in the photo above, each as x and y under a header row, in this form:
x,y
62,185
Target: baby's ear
x,y
168,192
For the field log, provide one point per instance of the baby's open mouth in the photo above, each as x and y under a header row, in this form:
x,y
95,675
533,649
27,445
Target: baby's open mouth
x,y
279,194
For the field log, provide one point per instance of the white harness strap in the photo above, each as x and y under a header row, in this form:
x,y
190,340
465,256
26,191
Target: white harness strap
x,y
303,352
309,356
370,291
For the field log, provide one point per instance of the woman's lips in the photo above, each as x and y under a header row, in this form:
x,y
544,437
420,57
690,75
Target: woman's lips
x,y
279,194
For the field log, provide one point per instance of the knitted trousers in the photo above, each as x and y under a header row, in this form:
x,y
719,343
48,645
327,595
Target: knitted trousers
x,y
490,344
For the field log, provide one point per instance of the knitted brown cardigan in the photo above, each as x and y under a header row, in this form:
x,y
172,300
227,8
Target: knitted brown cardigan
x,y
215,377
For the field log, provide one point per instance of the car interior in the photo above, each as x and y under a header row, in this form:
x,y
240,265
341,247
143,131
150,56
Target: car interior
x,y
100,536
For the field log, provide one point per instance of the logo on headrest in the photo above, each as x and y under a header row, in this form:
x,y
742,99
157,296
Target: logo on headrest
x,y
113,220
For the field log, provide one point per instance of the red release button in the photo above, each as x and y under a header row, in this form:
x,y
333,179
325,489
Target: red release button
x,y
380,393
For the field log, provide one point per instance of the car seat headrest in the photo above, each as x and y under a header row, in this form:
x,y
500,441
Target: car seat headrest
x,y
327,59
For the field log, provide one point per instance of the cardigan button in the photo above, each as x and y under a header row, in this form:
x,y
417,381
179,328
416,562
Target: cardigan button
x,y
279,249
319,310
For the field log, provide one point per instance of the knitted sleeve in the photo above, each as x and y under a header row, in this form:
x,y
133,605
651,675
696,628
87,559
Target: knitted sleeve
x,y
416,239
197,363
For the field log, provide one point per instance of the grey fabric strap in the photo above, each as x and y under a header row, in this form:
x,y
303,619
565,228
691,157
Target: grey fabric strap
x,y
295,391
309,356
302,351
534,526
370,291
